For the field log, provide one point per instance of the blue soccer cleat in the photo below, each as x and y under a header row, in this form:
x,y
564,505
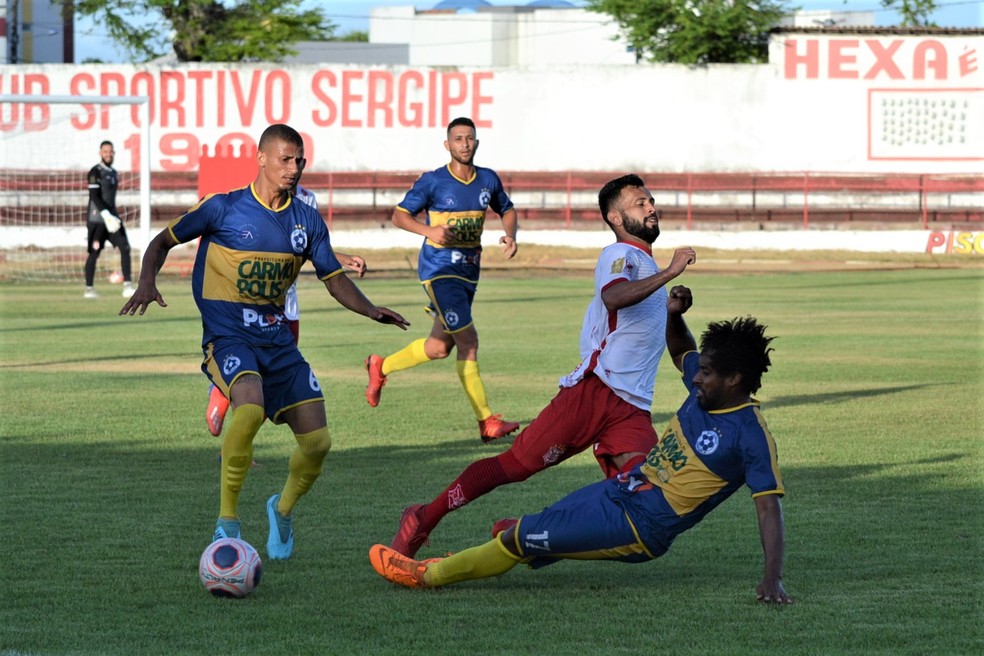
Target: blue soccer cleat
x,y
226,528
280,544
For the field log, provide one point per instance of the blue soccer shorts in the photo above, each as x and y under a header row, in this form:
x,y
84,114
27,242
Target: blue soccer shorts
x,y
288,380
451,300
585,525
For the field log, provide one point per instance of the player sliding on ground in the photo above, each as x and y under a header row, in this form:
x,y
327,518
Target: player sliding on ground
x,y
717,442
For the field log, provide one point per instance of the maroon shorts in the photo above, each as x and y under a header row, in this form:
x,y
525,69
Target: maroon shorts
x,y
588,415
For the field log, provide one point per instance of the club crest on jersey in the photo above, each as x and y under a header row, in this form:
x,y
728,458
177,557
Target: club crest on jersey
x,y
230,363
451,318
298,239
484,198
707,443
248,234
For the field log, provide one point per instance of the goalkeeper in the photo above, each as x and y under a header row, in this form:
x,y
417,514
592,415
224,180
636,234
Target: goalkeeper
x,y
104,222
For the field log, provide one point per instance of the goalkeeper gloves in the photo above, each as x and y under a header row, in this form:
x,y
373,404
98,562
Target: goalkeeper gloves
x,y
112,222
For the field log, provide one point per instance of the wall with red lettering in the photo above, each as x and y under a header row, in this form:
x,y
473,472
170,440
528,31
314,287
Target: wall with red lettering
x,y
839,105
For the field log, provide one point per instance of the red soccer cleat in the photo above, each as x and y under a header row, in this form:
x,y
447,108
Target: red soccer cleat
x,y
409,539
215,413
374,365
494,427
503,525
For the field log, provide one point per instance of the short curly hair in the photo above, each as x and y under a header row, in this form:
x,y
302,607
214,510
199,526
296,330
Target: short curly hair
x,y
738,346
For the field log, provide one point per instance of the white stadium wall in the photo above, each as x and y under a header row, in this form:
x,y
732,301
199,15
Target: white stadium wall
x,y
905,104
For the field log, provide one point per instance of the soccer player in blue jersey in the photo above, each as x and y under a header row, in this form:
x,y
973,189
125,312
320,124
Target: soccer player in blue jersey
x,y
218,403
456,198
253,243
716,443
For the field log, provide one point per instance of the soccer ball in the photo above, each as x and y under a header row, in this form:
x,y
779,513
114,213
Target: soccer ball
x,y
115,278
230,567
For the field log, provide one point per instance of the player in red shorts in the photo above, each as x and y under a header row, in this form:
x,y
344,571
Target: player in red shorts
x,y
605,402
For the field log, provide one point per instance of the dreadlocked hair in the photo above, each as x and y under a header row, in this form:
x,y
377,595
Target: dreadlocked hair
x,y
738,346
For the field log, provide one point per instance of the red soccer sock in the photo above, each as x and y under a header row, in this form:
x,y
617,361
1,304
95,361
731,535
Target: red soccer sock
x,y
480,477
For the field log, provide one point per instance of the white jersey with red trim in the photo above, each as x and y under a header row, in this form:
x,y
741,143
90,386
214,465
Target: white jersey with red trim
x,y
291,309
623,349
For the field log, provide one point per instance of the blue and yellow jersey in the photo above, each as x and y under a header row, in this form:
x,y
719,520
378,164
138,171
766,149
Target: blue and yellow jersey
x,y
701,460
249,256
460,204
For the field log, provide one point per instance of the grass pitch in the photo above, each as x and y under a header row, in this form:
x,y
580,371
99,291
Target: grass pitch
x,y
110,479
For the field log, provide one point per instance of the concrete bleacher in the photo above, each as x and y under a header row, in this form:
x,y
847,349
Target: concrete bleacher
x,y
740,200
569,199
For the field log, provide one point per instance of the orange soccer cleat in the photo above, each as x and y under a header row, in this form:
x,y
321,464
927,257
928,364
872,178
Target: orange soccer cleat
x,y
374,365
397,568
494,427
215,413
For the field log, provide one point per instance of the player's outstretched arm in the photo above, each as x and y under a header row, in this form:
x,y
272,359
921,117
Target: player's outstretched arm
x,y
679,339
153,260
771,530
349,296
629,293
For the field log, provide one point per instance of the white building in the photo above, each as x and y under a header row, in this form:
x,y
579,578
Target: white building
x,y
500,36
830,18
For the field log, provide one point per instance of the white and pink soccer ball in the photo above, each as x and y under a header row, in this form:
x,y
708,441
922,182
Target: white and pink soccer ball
x,y
230,567
115,278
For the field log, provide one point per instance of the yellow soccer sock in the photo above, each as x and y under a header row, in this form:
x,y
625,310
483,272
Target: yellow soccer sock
x,y
474,388
409,356
304,467
481,562
237,455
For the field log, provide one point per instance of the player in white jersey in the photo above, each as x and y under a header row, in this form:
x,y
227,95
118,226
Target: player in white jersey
x,y
604,403
623,348
218,404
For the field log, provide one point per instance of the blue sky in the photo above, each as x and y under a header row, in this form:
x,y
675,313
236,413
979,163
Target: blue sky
x,y
351,15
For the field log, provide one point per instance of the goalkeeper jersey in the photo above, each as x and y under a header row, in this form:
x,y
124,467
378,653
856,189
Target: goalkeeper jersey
x,y
461,204
249,256
103,181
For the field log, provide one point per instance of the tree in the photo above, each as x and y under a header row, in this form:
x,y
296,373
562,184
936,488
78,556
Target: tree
x,y
207,30
695,31
914,12
355,36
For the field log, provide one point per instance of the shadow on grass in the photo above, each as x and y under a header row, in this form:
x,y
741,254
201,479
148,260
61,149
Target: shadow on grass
x,y
862,538
848,395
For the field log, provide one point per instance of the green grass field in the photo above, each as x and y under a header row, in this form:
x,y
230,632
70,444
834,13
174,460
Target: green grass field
x,y
110,480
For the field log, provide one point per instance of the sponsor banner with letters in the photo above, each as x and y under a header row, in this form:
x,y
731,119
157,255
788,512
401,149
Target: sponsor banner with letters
x,y
852,104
